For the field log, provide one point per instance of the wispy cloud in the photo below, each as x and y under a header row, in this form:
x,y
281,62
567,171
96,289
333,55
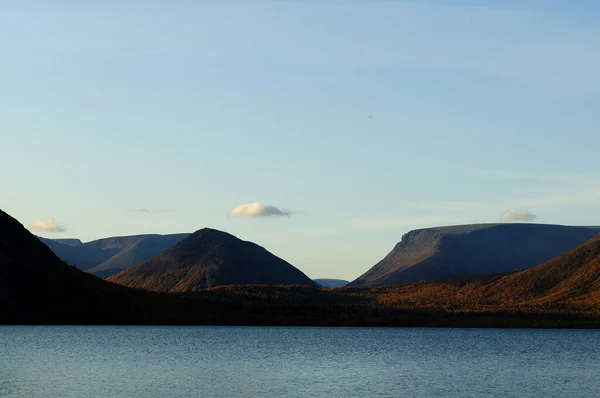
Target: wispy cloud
x,y
518,215
258,209
48,225
148,210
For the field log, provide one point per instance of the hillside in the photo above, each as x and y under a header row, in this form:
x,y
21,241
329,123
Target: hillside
x,y
210,258
327,283
37,286
109,256
567,284
133,251
446,252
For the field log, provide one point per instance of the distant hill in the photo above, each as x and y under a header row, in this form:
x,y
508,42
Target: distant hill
x,y
209,258
326,283
445,252
109,256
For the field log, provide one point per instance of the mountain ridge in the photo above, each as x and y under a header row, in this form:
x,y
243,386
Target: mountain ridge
x,y
36,287
476,249
107,256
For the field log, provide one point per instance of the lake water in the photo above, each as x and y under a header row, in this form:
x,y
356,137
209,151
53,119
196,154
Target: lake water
x,y
296,362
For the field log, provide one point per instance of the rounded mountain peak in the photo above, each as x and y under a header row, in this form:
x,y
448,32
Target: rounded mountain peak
x,y
210,257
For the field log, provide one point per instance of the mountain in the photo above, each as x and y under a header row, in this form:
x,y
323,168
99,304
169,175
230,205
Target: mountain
x,y
81,256
134,250
571,278
109,256
36,286
445,252
327,283
568,284
209,258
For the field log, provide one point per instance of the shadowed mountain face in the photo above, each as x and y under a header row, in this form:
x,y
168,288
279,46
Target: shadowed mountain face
x,y
327,283
209,258
109,256
35,285
445,252
567,284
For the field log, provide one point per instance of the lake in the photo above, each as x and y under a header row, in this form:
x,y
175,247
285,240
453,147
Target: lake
x,y
106,361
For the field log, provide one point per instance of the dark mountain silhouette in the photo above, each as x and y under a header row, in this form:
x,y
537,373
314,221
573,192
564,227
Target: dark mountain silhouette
x,y
109,256
445,252
209,258
36,286
327,283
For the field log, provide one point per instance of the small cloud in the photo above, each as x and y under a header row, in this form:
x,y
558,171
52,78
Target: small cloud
x,y
519,215
148,210
47,226
258,209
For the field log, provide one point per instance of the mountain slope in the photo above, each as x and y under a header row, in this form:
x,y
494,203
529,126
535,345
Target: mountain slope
x,y
109,256
445,252
134,251
80,256
36,286
567,284
209,258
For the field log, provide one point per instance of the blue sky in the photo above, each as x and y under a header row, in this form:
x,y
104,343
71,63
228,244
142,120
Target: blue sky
x,y
368,118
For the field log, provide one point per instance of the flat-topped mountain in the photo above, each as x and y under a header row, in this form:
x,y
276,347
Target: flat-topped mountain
x,y
109,256
209,258
567,284
463,250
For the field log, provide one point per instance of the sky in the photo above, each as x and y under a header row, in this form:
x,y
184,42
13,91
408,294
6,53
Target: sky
x,y
321,130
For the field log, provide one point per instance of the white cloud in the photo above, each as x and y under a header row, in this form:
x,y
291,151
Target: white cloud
x,y
257,209
47,226
518,215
